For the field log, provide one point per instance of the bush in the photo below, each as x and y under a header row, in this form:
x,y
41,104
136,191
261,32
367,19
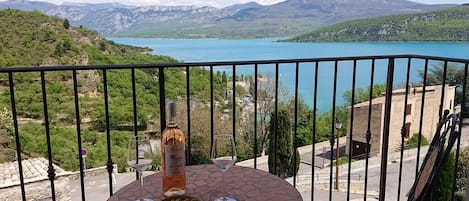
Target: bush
x,y
460,196
156,163
413,141
442,189
462,173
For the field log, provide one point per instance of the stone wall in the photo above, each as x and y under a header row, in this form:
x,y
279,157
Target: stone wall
x,y
39,190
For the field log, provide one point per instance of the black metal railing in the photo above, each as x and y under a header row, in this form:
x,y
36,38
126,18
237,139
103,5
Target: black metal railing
x,y
408,62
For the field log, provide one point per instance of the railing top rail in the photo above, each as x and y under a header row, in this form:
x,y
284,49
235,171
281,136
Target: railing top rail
x,y
222,63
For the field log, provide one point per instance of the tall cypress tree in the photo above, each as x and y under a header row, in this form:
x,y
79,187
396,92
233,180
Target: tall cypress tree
x,y
284,146
66,24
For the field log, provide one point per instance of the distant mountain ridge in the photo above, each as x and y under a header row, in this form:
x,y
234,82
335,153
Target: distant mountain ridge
x,y
450,24
242,20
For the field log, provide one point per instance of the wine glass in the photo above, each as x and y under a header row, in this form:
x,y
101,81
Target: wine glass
x,y
139,157
224,156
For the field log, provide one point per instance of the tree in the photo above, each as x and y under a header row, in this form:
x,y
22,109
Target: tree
x,y
454,74
281,145
102,46
223,78
265,103
304,122
66,24
454,77
362,95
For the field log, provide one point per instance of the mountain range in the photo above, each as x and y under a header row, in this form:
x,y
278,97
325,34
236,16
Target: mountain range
x,y
451,24
287,18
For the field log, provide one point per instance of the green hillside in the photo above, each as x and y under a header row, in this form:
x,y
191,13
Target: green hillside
x,y
443,25
34,39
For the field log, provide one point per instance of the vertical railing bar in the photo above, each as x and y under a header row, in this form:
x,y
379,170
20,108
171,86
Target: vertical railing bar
x,y
276,118
313,156
255,116
351,127
421,116
162,90
295,123
386,128
368,129
188,102
234,104
162,94
77,116
135,117
109,165
332,139
17,136
403,129
211,109
442,100
461,113
50,168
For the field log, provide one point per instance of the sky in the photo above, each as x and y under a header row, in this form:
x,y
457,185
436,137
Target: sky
x,y
215,3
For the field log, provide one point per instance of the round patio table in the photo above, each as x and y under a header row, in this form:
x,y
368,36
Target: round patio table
x,y
205,182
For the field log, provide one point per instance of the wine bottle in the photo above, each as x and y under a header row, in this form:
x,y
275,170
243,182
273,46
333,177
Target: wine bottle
x,y
173,156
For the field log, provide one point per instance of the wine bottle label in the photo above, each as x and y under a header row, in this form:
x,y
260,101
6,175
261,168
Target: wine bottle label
x,y
175,159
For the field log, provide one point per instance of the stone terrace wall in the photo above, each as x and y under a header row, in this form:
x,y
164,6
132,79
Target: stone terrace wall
x,y
39,191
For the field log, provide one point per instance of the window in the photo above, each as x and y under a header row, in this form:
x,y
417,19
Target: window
x,y
408,109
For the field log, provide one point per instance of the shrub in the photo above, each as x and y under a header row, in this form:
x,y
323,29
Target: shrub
x,y
460,196
413,141
442,189
462,173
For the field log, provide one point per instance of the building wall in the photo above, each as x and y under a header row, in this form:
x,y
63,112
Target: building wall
x,y
429,122
360,126
430,115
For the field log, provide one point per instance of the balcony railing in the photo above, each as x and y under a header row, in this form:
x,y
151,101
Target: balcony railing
x,y
395,71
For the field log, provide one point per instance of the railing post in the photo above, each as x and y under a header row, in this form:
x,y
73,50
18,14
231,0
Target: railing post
x,y
78,127
17,135
385,136
109,164
50,167
162,98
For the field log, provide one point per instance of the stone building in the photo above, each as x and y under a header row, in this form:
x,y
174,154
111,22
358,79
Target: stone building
x,y
413,115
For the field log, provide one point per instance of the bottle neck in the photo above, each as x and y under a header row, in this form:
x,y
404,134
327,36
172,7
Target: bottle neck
x,y
172,123
172,115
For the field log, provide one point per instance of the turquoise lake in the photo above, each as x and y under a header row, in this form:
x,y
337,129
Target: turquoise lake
x,y
204,50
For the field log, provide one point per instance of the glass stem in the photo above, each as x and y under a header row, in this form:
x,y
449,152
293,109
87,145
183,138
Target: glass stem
x,y
140,178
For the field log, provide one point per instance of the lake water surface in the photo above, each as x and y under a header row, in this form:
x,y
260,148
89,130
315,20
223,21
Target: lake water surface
x,y
204,50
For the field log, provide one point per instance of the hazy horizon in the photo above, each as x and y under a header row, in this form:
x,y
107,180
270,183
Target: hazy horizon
x,y
215,3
